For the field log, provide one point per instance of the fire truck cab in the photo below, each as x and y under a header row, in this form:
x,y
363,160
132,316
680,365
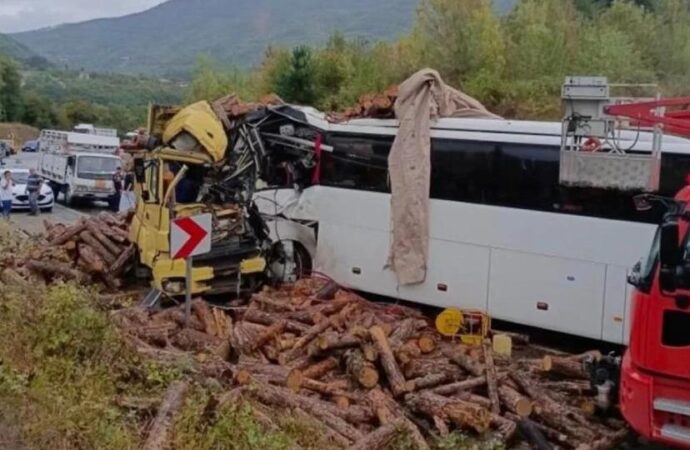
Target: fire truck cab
x,y
655,377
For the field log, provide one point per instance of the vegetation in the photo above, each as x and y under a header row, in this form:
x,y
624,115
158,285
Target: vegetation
x,y
513,63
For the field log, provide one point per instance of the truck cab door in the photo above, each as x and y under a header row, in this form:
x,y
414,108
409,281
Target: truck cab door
x,y
150,224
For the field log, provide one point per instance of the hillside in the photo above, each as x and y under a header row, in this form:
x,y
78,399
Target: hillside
x,y
167,39
21,53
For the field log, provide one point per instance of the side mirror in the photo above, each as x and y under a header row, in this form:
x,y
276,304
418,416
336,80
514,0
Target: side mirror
x,y
669,255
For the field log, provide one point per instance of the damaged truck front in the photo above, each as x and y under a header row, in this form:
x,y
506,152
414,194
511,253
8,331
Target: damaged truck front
x,y
179,167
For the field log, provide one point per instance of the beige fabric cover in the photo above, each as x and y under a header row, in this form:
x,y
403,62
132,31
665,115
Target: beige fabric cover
x,y
423,98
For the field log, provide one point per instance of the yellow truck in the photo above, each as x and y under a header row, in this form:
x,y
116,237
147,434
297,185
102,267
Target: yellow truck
x,y
185,147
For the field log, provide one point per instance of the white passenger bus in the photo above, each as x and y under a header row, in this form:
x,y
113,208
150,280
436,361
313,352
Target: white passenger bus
x,y
505,236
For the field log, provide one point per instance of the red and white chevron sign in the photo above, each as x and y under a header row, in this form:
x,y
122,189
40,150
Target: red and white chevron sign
x,y
190,236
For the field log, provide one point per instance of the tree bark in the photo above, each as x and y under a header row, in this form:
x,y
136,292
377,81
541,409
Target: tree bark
x,y
491,382
257,316
121,262
102,238
571,368
395,378
459,412
467,363
158,435
387,410
380,438
470,383
321,368
56,268
427,343
514,402
69,233
360,370
92,262
429,381
333,341
267,335
100,249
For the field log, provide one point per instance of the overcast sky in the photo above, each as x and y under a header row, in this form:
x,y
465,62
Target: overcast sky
x,y
21,15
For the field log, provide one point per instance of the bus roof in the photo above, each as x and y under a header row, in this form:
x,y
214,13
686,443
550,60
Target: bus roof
x,y
489,129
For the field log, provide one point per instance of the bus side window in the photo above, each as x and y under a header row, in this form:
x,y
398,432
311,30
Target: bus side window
x,y
357,162
462,171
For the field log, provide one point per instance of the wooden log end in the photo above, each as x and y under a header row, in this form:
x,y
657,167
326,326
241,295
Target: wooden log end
x,y
294,380
426,344
368,377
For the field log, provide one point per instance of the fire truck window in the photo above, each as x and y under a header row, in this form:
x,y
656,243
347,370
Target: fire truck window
x,y
675,329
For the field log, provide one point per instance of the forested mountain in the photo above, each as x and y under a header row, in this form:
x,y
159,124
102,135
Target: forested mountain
x,y
21,53
167,39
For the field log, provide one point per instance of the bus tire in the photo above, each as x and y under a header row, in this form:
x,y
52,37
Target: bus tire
x,y
68,198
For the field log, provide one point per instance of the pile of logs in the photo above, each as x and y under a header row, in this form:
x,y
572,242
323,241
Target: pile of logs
x,y
95,248
366,372
374,106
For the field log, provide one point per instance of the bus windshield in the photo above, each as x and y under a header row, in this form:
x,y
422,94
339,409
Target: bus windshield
x,y
96,167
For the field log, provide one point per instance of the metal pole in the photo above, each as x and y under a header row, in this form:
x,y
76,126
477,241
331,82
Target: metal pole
x,y
188,291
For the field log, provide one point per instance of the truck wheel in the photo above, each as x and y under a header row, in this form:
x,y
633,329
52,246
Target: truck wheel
x,y
69,199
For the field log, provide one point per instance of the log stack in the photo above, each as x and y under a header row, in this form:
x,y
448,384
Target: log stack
x,y
93,249
357,369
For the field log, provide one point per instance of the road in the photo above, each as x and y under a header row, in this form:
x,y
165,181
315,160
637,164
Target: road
x,y
60,213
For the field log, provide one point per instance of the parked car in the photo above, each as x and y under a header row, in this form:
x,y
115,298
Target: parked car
x,y
20,202
30,146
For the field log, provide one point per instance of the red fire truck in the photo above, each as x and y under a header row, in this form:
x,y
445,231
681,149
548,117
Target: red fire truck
x,y
655,373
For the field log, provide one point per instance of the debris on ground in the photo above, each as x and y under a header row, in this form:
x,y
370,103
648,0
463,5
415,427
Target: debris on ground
x,y
93,249
366,371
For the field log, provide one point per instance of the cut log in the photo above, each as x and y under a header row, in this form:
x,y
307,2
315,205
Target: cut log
x,y
268,334
361,371
261,317
491,382
292,354
426,343
158,435
467,363
449,389
275,396
408,351
387,410
517,338
369,352
103,252
321,368
328,291
332,341
93,228
69,233
514,402
570,387
380,438
459,412
550,433
429,381
279,375
611,441
121,262
420,367
407,329
567,367
91,261
56,269
505,427
395,378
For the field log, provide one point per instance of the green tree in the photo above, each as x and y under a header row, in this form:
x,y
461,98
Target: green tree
x,y
211,82
463,40
39,112
10,90
296,85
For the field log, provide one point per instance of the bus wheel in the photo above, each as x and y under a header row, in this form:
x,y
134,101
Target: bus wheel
x,y
291,262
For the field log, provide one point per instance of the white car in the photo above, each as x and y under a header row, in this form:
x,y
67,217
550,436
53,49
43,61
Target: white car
x,y
20,199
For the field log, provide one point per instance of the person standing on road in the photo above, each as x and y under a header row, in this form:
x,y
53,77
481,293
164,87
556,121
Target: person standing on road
x,y
118,179
33,188
6,185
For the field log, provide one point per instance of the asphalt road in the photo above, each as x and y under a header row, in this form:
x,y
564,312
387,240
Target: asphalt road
x,y
60,213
